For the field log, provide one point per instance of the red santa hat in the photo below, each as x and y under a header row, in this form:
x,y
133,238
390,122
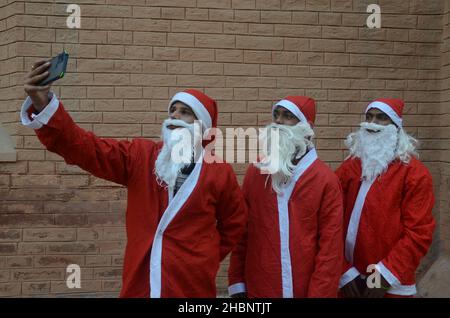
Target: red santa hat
x,y
303,107
392,107
203,106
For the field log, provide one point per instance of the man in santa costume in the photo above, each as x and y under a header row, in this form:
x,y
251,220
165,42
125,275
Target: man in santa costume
x,y
293,245
388,201
183,216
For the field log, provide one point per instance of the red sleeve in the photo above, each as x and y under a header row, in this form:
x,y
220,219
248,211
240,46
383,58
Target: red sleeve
x,y
231,213
325,278
418,226
236,271
103,157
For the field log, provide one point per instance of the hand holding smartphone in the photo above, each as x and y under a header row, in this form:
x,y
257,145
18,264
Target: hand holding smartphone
x,y
57,69
37,81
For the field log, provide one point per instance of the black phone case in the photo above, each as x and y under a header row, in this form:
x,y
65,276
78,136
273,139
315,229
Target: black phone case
x,y
57,68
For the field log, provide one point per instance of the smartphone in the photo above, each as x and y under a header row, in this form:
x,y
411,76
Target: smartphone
x,y
57,68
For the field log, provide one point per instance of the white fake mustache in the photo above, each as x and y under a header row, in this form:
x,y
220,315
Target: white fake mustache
x,y
176,122
373,128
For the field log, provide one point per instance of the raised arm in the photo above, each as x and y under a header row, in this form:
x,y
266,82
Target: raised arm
x,y
103,157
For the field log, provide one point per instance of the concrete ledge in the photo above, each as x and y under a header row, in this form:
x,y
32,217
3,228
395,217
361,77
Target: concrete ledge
x,y
436,281
7,151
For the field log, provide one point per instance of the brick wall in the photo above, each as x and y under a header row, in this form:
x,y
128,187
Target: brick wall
x,y
130,57
444,133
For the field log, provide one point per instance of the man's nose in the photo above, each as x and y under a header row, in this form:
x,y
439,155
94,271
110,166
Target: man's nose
x,y
278,120
175,115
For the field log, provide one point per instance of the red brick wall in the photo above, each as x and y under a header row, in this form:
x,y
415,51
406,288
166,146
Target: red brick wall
x,y
130,57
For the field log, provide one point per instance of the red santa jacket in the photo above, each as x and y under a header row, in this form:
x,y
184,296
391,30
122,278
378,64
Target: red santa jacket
x,y
388,223
293,243
174,243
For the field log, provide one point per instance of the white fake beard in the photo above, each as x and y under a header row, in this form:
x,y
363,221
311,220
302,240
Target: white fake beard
x,y
376,150
292,143
181,146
